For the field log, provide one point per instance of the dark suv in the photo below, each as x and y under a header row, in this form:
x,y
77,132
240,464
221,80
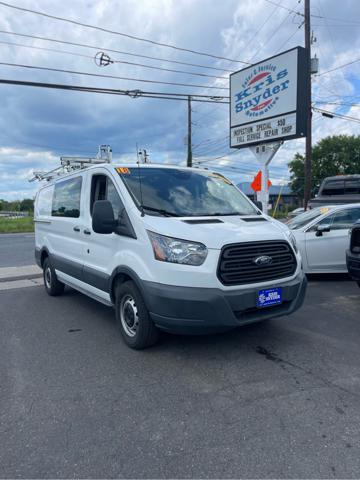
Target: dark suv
x,y
337,191
353,254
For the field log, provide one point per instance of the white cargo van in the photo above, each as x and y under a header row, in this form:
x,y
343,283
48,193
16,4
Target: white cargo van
x,y
170,248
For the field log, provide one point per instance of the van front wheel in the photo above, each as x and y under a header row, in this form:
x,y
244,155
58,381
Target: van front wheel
x,y
133,319
52,285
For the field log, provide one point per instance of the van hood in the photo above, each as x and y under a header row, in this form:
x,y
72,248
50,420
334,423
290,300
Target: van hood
x,y
215,232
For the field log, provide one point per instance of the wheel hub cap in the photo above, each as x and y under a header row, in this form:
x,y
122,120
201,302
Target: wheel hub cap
x,y
129,315
48,277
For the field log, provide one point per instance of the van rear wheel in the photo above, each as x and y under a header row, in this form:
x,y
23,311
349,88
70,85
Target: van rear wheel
x,y
133,319
52,285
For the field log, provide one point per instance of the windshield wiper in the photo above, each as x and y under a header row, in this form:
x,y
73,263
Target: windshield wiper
x,y
163,212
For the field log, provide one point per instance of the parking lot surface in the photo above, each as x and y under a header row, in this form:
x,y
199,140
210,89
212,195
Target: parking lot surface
x,y
277,399
17,249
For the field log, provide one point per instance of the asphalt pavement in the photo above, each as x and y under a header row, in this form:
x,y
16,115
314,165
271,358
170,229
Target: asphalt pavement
x,y
280,399
17,249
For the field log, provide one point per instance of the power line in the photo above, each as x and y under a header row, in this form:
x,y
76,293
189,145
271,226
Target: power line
x,y
209,141
74,72
338,68
290,10
218,158
111,91
97,47
270,37
260,28
277,168
186,72
291,36
343,104
312,15
338,115
133,37
45,48
198,74
209,113
214,149
246,171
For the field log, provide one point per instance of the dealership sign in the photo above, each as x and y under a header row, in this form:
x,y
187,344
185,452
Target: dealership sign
x,y
268,100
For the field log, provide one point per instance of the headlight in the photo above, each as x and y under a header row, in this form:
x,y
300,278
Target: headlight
x,y
292,240
174,250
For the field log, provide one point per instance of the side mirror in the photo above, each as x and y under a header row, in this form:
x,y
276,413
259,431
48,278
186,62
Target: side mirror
x,y
320,229
103,220
258,204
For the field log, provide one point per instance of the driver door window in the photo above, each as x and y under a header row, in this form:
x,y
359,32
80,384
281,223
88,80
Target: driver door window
x,y
102,188
325,222
345,219
340,220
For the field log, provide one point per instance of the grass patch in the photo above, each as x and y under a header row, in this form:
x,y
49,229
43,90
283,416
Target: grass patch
x,y
16,225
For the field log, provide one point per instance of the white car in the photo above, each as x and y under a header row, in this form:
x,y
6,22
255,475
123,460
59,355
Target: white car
x,y
322,236
296,212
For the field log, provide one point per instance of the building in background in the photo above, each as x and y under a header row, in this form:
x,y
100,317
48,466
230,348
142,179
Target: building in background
x,y
288,199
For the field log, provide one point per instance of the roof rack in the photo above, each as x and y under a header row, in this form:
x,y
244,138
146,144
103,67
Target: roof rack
x,y
70,164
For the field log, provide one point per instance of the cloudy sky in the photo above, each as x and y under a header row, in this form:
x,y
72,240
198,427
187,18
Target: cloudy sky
x,y
39,125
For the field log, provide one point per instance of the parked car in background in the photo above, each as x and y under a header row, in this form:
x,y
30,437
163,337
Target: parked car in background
x,y
338,190
296,212
322,236
353,253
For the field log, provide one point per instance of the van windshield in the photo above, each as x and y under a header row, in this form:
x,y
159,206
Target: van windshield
x,y
184,193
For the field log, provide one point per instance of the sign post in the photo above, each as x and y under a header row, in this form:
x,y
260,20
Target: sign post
x,y
268,105
264,154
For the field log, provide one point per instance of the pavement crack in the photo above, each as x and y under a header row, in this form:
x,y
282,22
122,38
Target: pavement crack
x,y
276,359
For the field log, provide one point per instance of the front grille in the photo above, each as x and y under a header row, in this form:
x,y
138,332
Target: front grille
x,y
237,266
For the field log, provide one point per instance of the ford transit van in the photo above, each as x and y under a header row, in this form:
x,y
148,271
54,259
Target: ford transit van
x,y
170,248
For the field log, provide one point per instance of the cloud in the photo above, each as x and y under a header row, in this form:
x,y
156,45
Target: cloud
x,y
37,126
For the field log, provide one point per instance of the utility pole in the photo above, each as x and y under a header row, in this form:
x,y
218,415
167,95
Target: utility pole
x,y
189,139
308,152
143,155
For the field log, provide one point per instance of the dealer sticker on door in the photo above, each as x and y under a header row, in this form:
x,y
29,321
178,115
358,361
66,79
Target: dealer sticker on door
x,y
271,296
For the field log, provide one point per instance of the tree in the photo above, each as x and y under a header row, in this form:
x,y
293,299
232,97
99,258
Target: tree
x,y
335,155
27,205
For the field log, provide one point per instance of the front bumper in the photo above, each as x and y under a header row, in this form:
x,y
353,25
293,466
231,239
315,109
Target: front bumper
x,y
192,309
353,264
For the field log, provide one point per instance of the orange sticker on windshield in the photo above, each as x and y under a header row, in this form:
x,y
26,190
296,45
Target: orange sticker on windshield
x,y
123,170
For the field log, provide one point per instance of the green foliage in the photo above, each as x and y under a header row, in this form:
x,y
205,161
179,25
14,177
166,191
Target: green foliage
x,y
16,225
335,155
26,205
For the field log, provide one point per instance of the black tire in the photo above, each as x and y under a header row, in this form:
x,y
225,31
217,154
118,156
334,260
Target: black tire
x,y
132,317
52,285
358,282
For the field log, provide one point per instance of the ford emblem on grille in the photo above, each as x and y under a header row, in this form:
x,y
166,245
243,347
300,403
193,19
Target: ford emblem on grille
x,y
263,260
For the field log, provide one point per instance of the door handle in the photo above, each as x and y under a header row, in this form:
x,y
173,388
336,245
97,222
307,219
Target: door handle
x,y
87,231
76,229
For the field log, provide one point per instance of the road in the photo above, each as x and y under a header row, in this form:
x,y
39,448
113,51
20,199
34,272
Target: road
x,y
274,400
17,249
